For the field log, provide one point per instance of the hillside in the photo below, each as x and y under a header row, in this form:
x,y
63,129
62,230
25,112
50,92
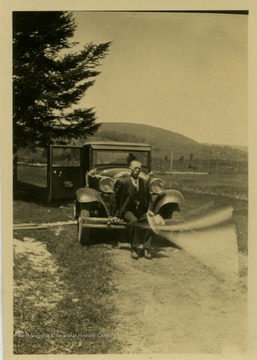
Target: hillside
x,y
164,142
166,145
146,133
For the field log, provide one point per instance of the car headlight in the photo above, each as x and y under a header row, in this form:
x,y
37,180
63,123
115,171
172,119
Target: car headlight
x,y
157,186
106,184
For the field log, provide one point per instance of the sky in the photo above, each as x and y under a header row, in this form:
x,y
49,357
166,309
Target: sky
x,y
185,72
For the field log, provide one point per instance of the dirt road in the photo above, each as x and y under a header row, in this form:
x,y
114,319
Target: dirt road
x,y
173,304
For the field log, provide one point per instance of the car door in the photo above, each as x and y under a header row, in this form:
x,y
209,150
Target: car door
x,y
65,172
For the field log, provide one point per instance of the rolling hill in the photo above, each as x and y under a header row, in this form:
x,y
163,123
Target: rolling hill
x,y
164,142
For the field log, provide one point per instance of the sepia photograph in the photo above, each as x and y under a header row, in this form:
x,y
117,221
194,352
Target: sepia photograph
x,y
129,176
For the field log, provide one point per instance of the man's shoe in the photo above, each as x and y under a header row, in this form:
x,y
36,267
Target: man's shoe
x,y
147,254
134,255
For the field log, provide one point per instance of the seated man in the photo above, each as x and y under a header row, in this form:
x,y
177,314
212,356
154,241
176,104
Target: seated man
x,y
132,201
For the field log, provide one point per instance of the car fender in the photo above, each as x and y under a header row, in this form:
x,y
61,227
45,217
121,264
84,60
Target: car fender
x,y
88,195
167,197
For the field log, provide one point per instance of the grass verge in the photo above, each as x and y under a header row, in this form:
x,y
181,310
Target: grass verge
x,y
81,320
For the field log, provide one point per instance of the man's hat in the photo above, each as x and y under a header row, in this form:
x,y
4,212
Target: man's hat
x,y
155,221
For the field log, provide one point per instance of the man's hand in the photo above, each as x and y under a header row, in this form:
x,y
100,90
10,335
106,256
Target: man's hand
x,y
115,220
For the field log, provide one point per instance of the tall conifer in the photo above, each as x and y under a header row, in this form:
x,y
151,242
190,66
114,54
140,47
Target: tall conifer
x,y
48,79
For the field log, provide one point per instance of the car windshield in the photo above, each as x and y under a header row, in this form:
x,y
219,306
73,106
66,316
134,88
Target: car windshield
x,y
120,157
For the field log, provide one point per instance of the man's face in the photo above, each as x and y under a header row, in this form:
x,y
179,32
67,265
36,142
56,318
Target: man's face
x,y
135,168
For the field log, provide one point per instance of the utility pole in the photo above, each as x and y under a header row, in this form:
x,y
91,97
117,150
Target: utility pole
x,y
171,159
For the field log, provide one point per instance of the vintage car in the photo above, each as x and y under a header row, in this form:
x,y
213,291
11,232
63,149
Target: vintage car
x,y
89,173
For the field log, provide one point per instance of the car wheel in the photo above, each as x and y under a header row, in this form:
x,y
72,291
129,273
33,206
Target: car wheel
x,y
83,232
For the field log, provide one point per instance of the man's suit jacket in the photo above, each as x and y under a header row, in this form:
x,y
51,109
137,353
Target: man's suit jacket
x,y
125,199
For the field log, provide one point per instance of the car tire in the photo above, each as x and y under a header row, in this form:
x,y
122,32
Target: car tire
x,y
83,232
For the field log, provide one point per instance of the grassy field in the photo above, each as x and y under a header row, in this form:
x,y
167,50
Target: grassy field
x,y
36,175
86,306
230,185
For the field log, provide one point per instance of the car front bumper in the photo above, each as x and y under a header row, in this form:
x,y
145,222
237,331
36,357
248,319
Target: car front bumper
x,y
102,223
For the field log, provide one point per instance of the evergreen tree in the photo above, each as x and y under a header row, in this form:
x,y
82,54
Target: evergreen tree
x,y
46,83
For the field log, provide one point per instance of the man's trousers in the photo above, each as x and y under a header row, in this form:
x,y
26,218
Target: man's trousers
x,y
138,235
